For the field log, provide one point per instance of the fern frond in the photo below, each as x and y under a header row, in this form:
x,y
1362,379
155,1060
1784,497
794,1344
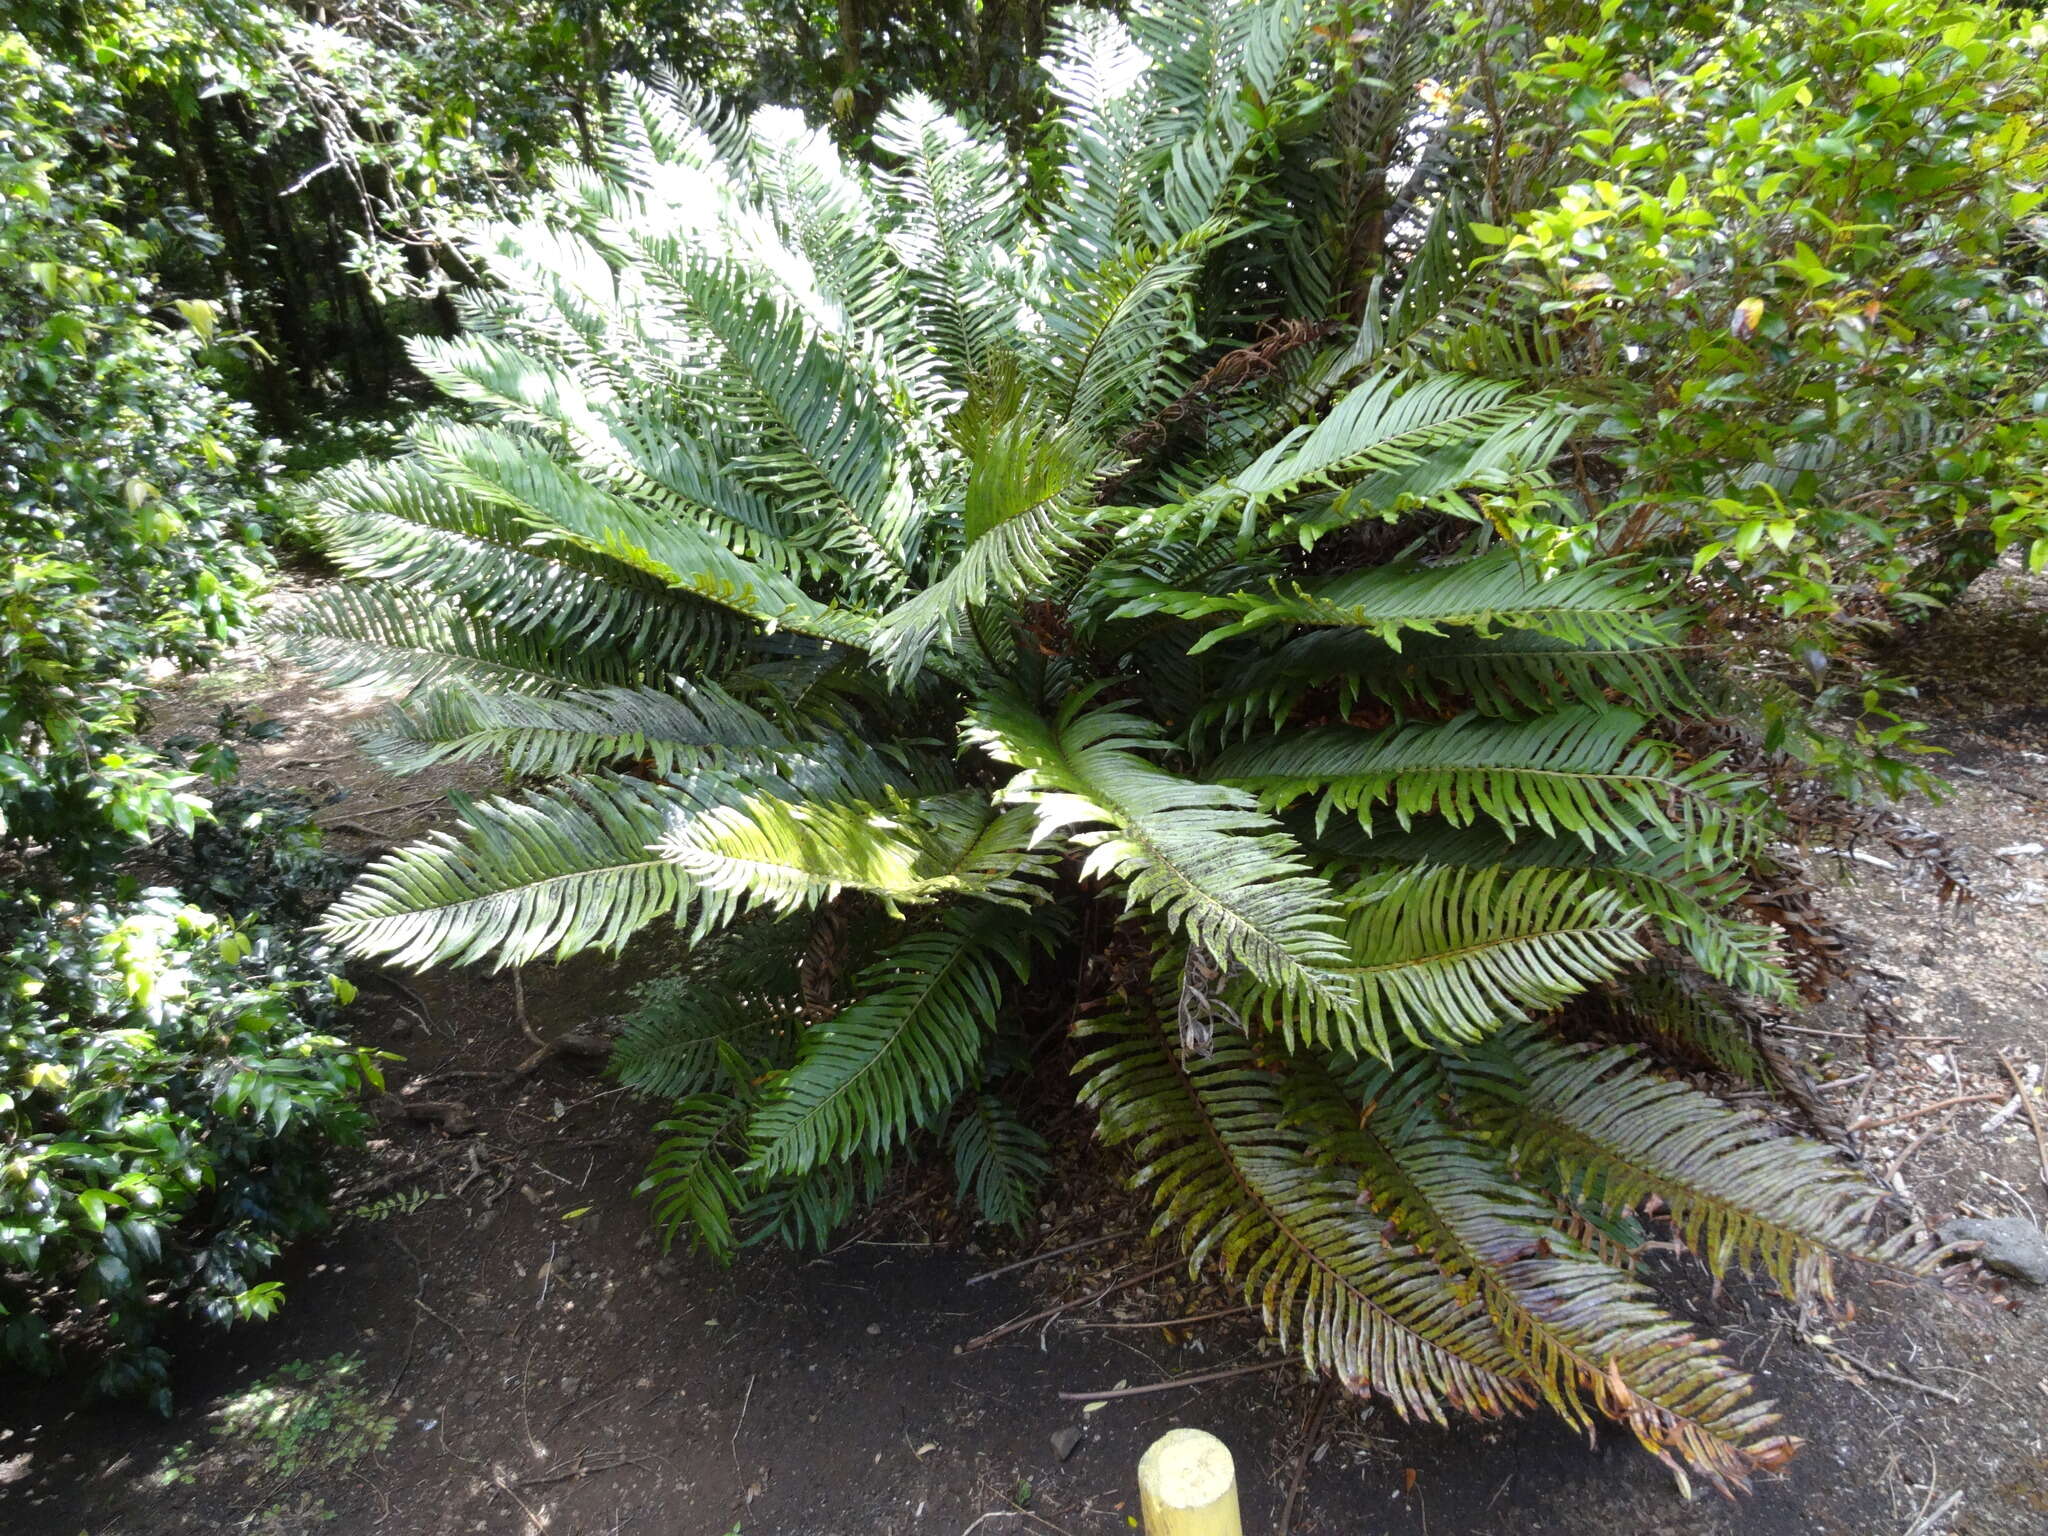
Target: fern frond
x,y
1448,955
1330,671
1024,518
895,1057
518,474
1389,424
998,1161
956,200
1578,772
672,730
1199,855
1498,591
556,871
825,448
764,847
1110,339
695,1176
1679,1014
1741,1195
385,636
1686,890
399,524
1586,1333
670,1044
1241,1181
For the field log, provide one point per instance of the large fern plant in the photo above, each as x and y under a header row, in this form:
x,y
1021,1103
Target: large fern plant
x,y
981,622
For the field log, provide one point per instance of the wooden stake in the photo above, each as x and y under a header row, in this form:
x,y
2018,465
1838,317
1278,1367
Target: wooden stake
x,y
1187,1486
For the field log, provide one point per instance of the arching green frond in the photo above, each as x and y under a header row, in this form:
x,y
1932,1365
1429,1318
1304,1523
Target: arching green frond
x,y
694,1176
956,201
1682,1016
1495,592
388,636
701,1182
805,1212
826,448
1328,672
1111,338
1579,772
1242,1183
1097,75
896,1056
400,524
760,846
998,1161
1024,519
1199,855
519,474
1740,1194
663,120
554,871
1208,58
669,1047
829,210
1389,424
631,449
1448,955
1689,892
670,730
1586,1333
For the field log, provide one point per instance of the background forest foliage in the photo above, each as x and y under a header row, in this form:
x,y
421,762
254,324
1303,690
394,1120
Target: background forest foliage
x,y
1365,534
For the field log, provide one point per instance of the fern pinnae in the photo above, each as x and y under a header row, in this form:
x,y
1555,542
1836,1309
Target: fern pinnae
x,y
1740,1194
1443,956
1588,1334
1241,1183
891,1060
1578,772
1196,854
998,1161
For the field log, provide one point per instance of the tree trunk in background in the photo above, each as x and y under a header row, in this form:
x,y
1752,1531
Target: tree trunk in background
x,y
851,23
280,400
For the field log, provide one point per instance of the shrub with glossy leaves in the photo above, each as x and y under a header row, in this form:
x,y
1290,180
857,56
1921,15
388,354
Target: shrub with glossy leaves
x,y
128,486
168,1083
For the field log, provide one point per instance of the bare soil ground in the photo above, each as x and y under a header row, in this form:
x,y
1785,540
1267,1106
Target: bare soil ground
x,y
497,1293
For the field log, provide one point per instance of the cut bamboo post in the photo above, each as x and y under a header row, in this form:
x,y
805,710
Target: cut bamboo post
x,y
1187,1486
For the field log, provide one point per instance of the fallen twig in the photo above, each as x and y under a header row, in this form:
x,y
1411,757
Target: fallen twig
x,y
1935,1518
1051,1312
1861,1034
1878,1373
437,1317
1926,1109
1196,1380
2033,1115
745,1403
581,1468
1054,1253
519,1011
1173,1322
1309,1441
1891,1169
511,1493
392,984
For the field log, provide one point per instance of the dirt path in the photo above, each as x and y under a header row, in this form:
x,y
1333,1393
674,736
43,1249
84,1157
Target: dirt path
x,y
513,1354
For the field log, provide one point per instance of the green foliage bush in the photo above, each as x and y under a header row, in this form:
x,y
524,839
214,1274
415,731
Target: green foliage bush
x,y
168,1077
168,1083
129,485
1789,262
